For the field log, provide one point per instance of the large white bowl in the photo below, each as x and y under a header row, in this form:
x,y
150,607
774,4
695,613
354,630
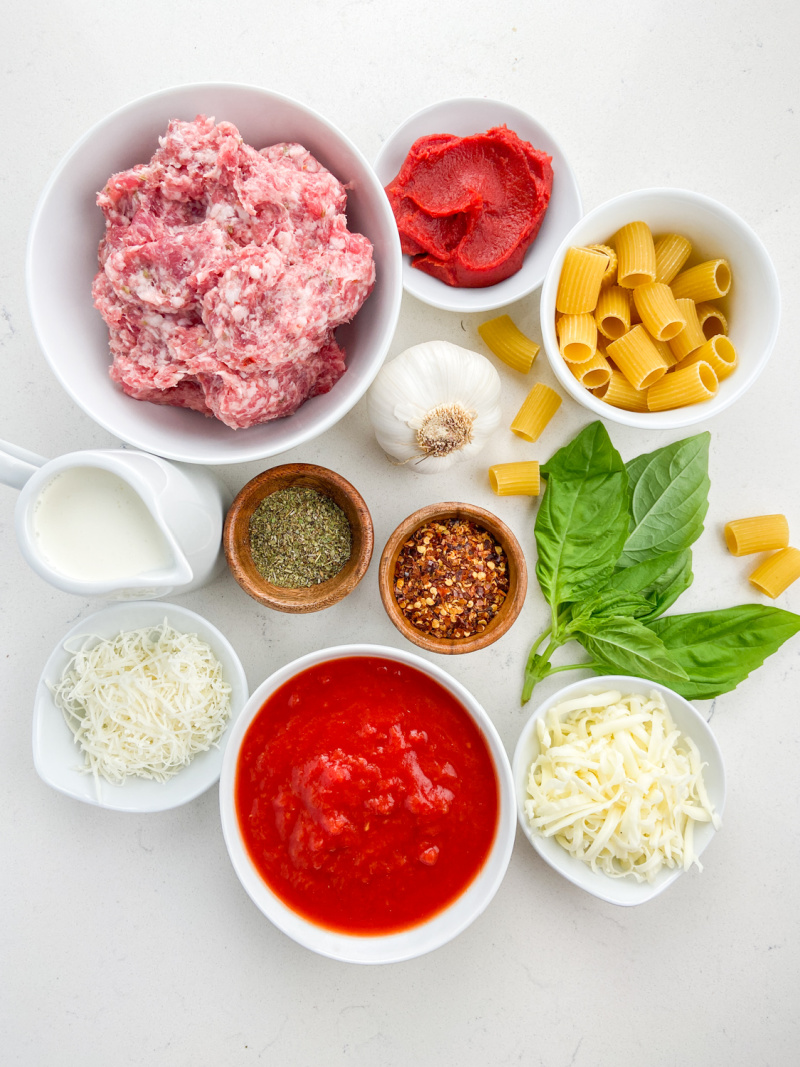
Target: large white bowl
x,y
58,760
623,891
390,948
62,261
753,306
465,116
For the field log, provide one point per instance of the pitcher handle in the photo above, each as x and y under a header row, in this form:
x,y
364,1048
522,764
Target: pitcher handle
x,y
17,464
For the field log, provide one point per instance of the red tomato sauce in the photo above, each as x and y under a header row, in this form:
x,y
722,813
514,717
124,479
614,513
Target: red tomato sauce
x,y
366,795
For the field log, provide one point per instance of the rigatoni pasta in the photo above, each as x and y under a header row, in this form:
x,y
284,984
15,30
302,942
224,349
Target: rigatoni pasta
x,y
758,533
515,479
719,353
691,336
706,281
619,392
579,284
594,373
672,251
777,572
683,386
610,276
577,337
637,358
613,312
660,314
538,408
711,320
636,255
509,343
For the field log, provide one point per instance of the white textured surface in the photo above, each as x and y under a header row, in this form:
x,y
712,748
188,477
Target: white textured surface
x,y
128,939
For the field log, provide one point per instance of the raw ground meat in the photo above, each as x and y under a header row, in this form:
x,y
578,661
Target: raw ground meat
x,y
224,272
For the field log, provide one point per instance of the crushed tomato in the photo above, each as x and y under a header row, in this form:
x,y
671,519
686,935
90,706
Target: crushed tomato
x,y
366,795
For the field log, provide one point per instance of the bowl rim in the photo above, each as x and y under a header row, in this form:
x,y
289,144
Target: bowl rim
x,y
327,593
611,890
512,606
151,796
396,947
675,418
495,296
139,438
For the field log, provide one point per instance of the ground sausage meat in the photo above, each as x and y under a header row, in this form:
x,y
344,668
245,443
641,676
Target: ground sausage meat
x,y
224,273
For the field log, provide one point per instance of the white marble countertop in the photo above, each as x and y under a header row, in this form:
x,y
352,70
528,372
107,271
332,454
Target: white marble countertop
x,y
128,939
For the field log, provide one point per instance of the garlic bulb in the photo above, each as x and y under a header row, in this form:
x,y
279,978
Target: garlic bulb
x,y
434,405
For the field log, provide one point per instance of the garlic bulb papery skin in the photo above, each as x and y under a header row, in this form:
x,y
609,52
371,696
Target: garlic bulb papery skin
x,y
434,405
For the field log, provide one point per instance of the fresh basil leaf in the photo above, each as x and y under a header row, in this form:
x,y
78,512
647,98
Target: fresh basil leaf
x,y
718,649
666,589
582,521
627,646
606,604
668,499
642,576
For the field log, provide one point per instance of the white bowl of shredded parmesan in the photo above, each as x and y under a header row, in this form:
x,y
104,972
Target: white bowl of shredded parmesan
x,y
133,707
620,786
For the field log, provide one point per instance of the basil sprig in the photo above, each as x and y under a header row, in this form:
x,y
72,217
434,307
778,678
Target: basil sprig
x,y
614,553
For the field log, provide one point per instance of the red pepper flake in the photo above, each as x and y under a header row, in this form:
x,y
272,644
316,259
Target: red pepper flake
x,y
451,578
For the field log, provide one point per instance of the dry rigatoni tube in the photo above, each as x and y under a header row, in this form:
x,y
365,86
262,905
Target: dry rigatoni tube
x,y
613,312
508,343
637,358
672,251
515,479
777,572
665,352
610,275
660,314
579,283
636,255
683,386
759,533
577,337
718,353
691,336
594,372
711,320
620,393
538,408
706,281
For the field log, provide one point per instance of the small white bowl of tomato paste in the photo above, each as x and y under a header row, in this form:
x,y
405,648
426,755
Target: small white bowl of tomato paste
x,y
483,196
367,804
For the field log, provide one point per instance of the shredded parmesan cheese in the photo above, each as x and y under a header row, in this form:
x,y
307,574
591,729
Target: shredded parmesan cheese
x,y
143,703
617,785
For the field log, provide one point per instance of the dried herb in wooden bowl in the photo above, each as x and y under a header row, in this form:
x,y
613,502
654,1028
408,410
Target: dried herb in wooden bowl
x,y
299,537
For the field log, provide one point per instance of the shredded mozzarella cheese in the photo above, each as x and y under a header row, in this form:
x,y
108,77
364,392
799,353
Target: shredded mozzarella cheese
x,y
617,785
143,703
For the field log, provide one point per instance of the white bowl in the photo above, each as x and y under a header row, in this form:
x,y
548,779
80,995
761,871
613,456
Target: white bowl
x,y
465,116
417,940
62,261
59,761
753,306
623,891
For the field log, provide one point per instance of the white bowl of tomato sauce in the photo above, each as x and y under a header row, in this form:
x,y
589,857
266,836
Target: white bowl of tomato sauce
x,y
367,804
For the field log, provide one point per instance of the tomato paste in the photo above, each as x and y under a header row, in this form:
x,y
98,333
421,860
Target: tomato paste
x,y
468,208
366,795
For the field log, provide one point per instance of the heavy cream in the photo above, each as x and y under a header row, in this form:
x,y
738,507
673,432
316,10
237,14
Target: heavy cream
x,y
90,525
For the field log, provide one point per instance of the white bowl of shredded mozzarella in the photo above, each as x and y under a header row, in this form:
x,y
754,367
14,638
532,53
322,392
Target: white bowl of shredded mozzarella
x,y
620,786
133,706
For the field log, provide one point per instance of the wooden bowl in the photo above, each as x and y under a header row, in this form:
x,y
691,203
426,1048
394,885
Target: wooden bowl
x,y
236,537
517,578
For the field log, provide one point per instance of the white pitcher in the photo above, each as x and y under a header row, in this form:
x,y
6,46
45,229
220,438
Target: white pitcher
x,y
186,503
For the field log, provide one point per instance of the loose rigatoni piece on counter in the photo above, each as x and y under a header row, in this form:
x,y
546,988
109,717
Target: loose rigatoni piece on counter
x,y
613,312
637,357
777,572
711,320
660,314
682,387
672,251
718,353
691,336
577,337
580,280
636,254
706,281
515,479
509,343
758,533
619,392
537,410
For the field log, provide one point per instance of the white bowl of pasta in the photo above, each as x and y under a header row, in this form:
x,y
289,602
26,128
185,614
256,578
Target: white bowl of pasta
x,y
604,772
701,318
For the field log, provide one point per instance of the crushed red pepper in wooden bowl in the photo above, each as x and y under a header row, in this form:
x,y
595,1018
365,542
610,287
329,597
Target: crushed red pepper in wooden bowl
x,y
451,578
